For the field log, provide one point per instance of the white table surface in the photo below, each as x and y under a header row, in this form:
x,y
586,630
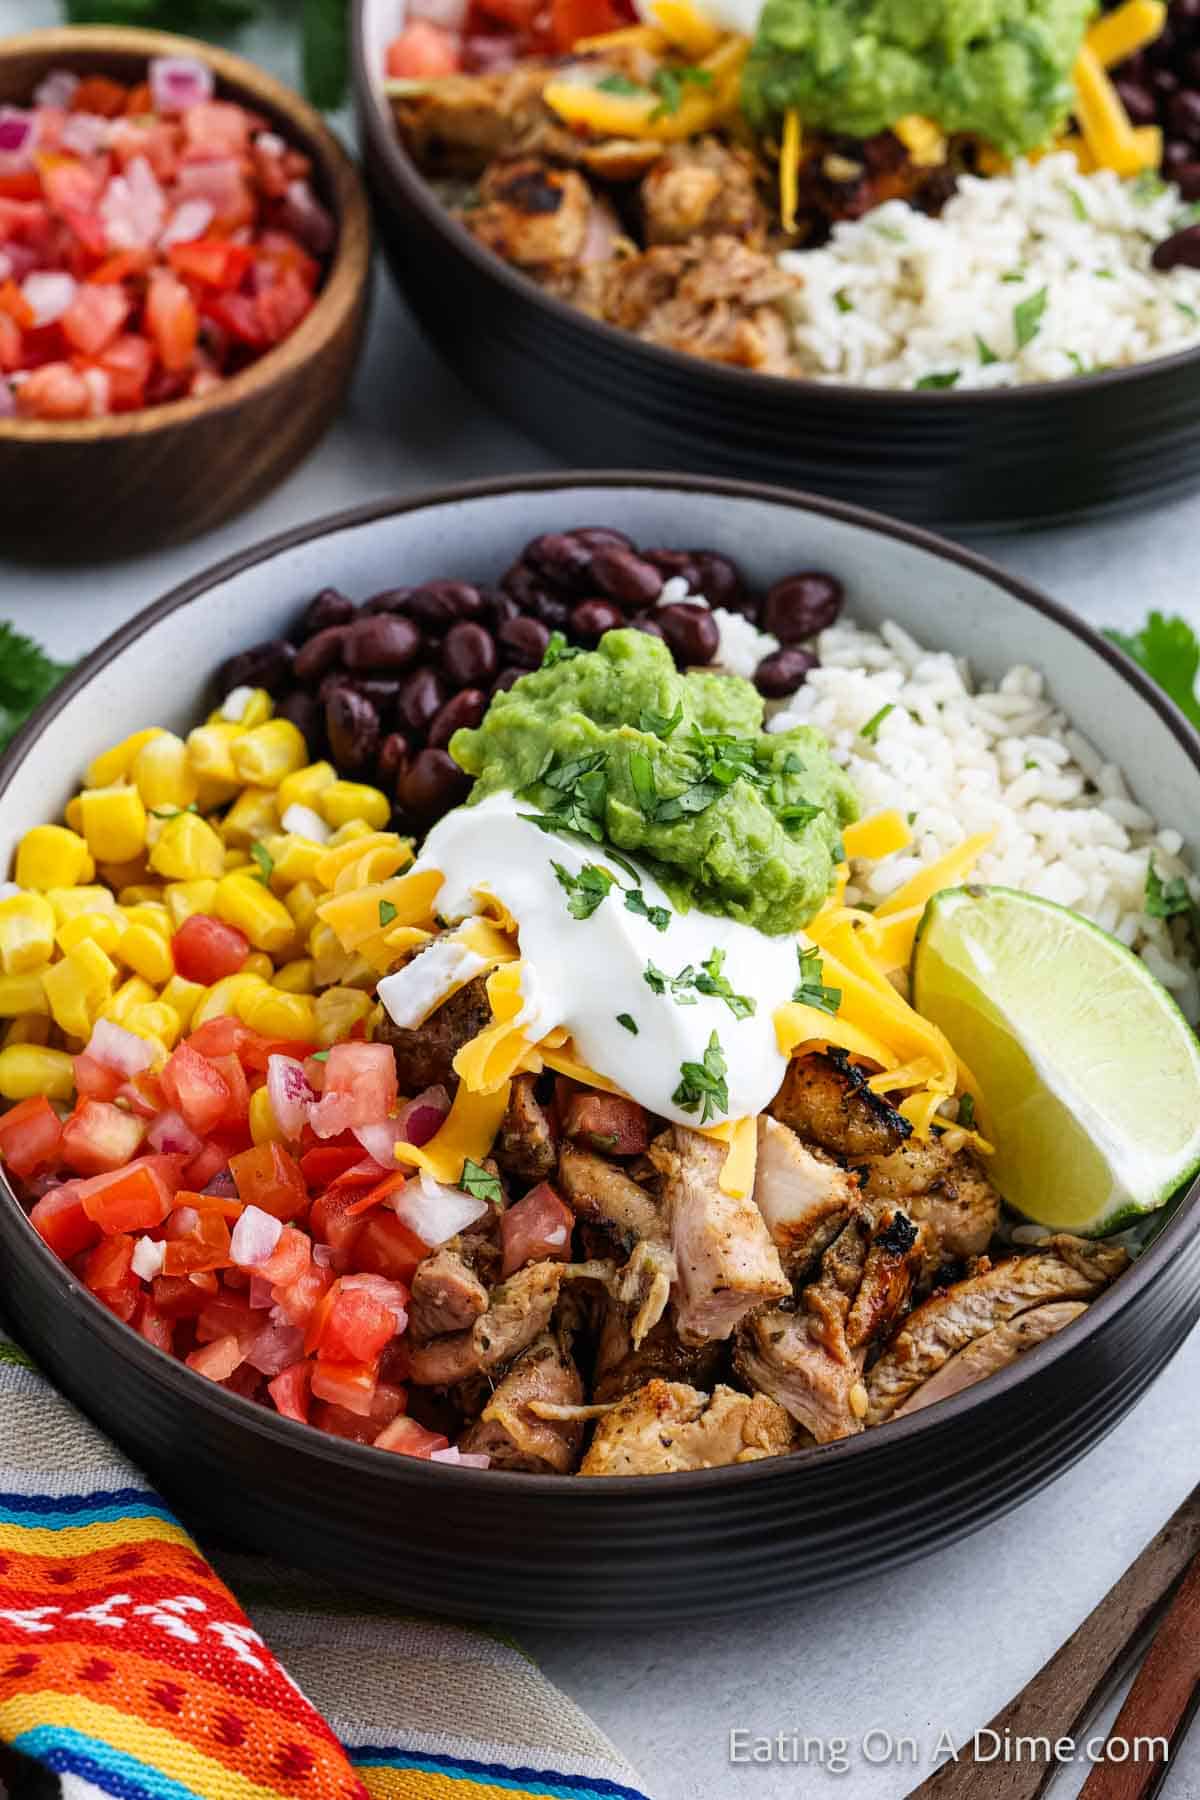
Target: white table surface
x,y
942,1644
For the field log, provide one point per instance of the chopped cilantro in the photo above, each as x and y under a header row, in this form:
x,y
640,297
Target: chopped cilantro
x,y
1014,275
584,891
262,856
870,730
475,1180
795,818
946,378
843,301
558,650
582,783
669,85
172,812
1166,899
387,912
1189,312
27,675
629,1022
1027,316
811,990
321,1056
702,1085
1077,205
617,84
966,1111
710,981
1148,186
1169,651
661,725
986,353
635,902
884,230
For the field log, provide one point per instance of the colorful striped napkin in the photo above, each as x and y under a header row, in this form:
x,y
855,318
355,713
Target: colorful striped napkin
x,y
128,1668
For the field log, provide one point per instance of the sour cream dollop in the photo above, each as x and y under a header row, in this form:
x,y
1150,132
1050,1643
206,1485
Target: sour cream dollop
x,y
586,974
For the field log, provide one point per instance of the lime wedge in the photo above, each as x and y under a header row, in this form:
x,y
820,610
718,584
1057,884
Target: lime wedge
x,y
1090,1074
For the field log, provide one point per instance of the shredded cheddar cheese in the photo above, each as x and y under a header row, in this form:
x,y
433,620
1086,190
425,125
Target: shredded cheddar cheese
x,y
1107,128
685,26
1126,30
789,169
469,1130
877,836
737,1171
924,141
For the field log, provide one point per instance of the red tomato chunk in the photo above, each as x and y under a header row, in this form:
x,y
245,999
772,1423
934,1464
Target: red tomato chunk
x,y
206,950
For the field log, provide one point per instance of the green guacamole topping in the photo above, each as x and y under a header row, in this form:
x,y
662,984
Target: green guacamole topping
x,y
999,68
615,745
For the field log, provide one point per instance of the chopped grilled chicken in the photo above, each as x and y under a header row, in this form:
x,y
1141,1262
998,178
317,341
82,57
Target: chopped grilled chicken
x,y
602,1193
425,1053
993,1352
948,1189
896,1255
701,189
514,1437
825,1098
447,1295
666,1426
532,214
524,1146
519,1310
804,1196
644,1286
620,1367
458,124
1064,1268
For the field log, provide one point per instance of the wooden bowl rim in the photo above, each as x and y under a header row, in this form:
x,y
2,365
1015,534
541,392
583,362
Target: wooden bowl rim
x,y
347,274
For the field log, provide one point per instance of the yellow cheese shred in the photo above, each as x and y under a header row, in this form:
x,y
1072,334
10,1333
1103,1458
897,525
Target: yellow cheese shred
x,y
564,1059
924,141
384,854
800,1028
354,916
737,1171
685,26
948,871
1106,126
628,37
789,169
877,836
1125,30
491,1058
469,1130
642,115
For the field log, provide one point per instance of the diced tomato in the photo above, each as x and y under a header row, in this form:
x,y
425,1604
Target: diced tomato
x,y
234,1077
99,1137
218,1360
195,1240
206,949
95,1080
94,318
299,1299
90,240
12,348
97,94
221,180
172,321
196,1088
607,1122
127,363
385,1246
219,1037
182,1296
14,303
30,1136
226,1314
537,1229
282,305
237,314
108,1275
21,184
143,1095
123,265
330,1222
322,1166
422,52
216,128
391,1184
268,1177
351,1384
138,99
200,1171
58,1217
169,1170
226,1206
289,1391
155,1326
317,1317
355,1328
407,1438
69,185
256,1052
53,391
361,1428
289,1259
213,262
571,20
132,1199
245,1380
360,1088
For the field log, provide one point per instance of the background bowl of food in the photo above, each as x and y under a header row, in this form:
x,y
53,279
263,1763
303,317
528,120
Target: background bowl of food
x,y
183,252
219,1224
665,240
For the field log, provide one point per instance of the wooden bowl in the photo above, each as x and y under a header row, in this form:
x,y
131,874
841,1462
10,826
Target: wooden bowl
x,y
108,486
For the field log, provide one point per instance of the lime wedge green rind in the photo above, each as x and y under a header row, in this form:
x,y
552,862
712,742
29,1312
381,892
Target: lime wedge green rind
x,y
1090,1074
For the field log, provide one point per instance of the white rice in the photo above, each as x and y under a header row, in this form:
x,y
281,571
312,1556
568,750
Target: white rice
x,y
741,645
896,298
958,758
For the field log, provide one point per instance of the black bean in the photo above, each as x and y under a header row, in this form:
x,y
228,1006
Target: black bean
x,y
1180,251
1188,177
1166,82
801,605
592,618
1183,116
1175,155
783,671
499,607
392,759
352,724
720,580
462,713
439,604
267,665
305,712
381,641
552,613
675,562
626,577
382,691
1139,102
505,679
648,623
560,558
691,633
329,607
601,537
1191,67
524,641
468,655
391,600
320,654
431,786
421,698
522,585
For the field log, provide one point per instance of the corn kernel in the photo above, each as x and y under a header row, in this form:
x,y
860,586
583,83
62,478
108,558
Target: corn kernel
x,y
238,859
349,802
222,999
252,816
330,961
140,893
154,914
163,774
114,823
147,954
184,898
78,986
183,997
73,814
264,1127
214,794
20,994
156,1020
131,994
188,850
258,963
302,902
104,929
112,766
246,903
265,754
294,859
302,786
254,706
31,1028
50,856
338,1010
26,933
210,752
30,1069
280,1015
68,902
297,977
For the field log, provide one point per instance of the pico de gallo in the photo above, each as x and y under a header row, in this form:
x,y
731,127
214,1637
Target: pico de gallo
x,y
155,238
443,37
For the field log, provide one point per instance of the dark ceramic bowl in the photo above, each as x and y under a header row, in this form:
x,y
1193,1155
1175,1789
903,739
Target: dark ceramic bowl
x,y
1035,455
553,1550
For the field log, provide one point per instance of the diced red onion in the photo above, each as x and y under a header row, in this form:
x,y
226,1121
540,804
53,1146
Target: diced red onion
x,y
133,208
49,292
177,82
261,1295
18,133
303,214
56,89
171,1135
222,1186
322,1255
289,1094
147,1258
463,1459
188,222
380,1140
84,133
254,1237
275,1348
451,15
119,1049
270,143
434,1212
422,1118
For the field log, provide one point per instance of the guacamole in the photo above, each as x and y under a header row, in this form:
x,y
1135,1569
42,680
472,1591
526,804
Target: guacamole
x,y
615,745
1001,69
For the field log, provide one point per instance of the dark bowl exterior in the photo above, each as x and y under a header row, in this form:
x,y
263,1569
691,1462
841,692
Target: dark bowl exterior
x,y
1037,455
622,1552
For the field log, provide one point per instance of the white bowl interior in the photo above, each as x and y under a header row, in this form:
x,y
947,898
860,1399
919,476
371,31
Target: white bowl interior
x,y
163,676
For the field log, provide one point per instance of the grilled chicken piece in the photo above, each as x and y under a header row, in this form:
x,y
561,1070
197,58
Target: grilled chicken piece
x,y
532,214
524,1146
620,1367
447,1296
896,1254
947,1189
425,1053
702,189
725,1259
993,1352
825,1098
460,123
519,1310
645,1285
804,1196
666,1426
514,1437
600,1192
1064,1268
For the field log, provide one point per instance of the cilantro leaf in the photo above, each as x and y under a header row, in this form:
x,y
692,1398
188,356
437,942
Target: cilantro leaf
x,y
266,867
811,990
618,84
476,1180
843,302
27,675
629,1022
1027,316
986,353
669,84
585,891
870,730
702,1085
710,981
945,379
1166,899
966,1112
661,725
387,912
635,902
1169,651
558,650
